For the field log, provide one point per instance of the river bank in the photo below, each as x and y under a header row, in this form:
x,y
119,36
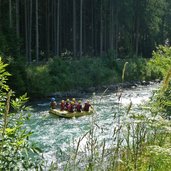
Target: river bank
x,y
82,92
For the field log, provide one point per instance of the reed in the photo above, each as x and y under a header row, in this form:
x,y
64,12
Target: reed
x,y
123,71
5,116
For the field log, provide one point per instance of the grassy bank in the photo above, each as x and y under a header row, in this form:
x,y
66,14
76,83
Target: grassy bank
x,y
65,74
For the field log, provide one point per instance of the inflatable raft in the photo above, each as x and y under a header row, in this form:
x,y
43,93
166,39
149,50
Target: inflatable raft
x,y
66,114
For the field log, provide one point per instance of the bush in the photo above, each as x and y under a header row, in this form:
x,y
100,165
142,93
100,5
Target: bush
x,y
38,81
16,152
60,74
63,75
18,79
136,69
160,62
73,74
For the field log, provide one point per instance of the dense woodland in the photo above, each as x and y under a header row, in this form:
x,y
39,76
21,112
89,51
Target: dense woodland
x,y
40,29
57,45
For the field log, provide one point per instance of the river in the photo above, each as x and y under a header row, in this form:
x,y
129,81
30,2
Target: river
x,y
56,136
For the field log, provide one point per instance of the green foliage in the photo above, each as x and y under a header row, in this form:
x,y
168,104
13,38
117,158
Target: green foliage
x,y
3,43
154,12
16,152
160,158
135,70
66,74
162,97
161,65
95,70
63,75
17,81
60,74
9,44
3,76
38,80
160,62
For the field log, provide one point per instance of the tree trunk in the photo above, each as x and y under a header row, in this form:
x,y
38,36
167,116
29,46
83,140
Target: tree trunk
x,y
111,26
116,29
37,31
55,27
92,28
81,26
137,18
74,28
137,14
163,30
17,19
137,37
10,14
47,30
105,27
26,29
30,32
101,28
58,18
0,15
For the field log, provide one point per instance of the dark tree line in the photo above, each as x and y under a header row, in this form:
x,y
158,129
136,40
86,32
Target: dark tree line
x,y
39,29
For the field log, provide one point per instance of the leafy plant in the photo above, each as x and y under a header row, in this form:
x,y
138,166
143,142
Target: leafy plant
x,y
16,152
160,62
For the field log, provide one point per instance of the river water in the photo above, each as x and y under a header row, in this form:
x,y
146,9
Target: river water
x,y
56,136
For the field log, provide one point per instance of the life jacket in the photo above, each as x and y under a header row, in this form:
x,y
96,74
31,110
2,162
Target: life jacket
x,y
75,105
70,108
62,106
66,105
79,107
86,106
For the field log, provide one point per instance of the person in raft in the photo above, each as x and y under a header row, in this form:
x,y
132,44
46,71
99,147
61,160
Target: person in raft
x,y
87,106
75,103
62,105
53,103
79,106
71,107
67,104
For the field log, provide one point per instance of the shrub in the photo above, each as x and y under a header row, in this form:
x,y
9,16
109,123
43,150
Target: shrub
x,y
16,152
160,62
38,81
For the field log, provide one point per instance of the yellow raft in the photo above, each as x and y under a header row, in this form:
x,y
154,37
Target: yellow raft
x,y
66,114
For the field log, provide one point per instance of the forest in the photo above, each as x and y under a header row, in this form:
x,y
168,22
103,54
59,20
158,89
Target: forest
x,y
38,35
41,29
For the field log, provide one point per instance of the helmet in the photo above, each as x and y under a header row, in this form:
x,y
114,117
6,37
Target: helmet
x,y
88,101
73,99
52,99
79,101
67,100
62,101
72,102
